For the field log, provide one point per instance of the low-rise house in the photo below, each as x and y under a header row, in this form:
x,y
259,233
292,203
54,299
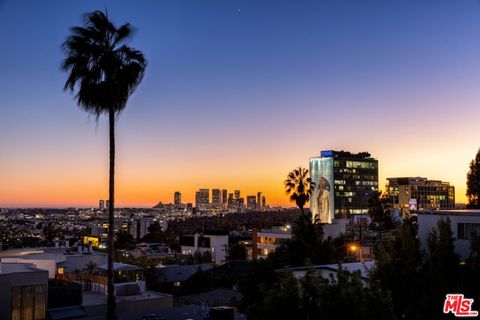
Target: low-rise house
x,y
213,241
56,261
171,277
462,224
266,241
23,291
330,271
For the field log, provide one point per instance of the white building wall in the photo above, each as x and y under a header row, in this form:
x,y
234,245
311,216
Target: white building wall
x,y
49,265
218,247
428,222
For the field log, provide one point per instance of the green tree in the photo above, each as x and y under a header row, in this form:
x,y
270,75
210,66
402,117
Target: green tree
x,y
90,267
281,301
398,270
49,233
103,73
253,286
155,233
299,187
237,252
473,183
124,241
306,247
348,289
344,296
441,269
380,212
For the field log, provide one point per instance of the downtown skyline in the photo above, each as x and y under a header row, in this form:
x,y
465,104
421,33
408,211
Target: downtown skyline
x,y
238,94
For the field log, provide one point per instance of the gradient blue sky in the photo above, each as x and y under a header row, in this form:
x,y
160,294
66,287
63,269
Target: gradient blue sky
x,y
237,93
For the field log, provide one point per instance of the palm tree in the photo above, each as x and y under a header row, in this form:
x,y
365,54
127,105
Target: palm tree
x,y
103,73
90,267
380,212
299,187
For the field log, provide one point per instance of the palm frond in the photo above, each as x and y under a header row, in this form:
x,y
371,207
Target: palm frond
x,y
103,72
299,186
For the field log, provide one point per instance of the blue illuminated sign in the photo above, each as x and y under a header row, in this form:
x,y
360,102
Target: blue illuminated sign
x,y
326,153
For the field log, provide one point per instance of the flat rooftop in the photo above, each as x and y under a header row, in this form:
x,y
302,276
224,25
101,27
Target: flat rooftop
x,y
95,299
8,268
178,313
363,267
463,212
43,253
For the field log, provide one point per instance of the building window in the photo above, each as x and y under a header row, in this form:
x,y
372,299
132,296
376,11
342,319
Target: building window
x,y
28,302
465,230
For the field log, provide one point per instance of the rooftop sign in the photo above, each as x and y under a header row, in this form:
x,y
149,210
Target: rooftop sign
x,y
326,153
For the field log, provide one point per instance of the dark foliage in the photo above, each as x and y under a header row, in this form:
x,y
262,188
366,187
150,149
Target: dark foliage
x,y
473,183
237,252
299,187
124,241
380,211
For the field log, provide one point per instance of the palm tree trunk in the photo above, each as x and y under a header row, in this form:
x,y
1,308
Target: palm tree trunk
x,y
111,303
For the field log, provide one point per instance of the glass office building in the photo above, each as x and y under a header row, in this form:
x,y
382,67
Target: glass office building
x,y
410,194
343,183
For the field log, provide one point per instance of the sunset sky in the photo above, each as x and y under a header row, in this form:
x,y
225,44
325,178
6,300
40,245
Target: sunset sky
x,y
237,93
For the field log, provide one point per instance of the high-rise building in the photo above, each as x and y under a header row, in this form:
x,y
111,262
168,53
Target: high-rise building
x,y
224,199
107,204
216,198
101,204
231,201
177,198
259,200
264,203
251,202
138,228
240,203
419,194
202,198
237,194
344,182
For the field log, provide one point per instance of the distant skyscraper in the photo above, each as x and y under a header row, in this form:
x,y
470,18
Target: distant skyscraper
x,y
216,198
177,198
101,204
202,198
264,203
237,194
240,204
251,202
224,199
231,201
107,204
259,200
197,199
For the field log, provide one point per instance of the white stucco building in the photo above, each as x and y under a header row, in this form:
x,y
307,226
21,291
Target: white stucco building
x,y
214,241
462,223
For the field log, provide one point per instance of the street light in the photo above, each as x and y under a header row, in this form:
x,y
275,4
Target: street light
x,y
353,248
